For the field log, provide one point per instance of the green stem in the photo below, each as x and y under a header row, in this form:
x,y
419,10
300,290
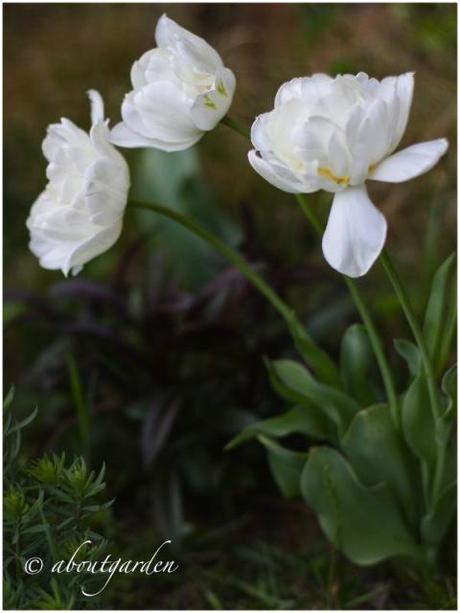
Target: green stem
x,y
233,125
416,330
233,256
356,295
379,353
309,213
372,333
80,405
427,365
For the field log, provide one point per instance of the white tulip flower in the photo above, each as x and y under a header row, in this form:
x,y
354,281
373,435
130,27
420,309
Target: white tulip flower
x,y
181,89
79,214
335,134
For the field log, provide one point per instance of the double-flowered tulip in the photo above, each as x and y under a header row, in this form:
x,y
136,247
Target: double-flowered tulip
x,y
335,134
181,89
79,214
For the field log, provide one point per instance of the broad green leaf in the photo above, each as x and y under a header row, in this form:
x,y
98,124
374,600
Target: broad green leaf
x,y
356,360
379,454
417,420
410,352
286,466
435,315
435,524
297,383
300,419
325,369
363,522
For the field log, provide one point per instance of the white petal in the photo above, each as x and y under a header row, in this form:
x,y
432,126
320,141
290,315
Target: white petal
x,y
100,139
209,108
105,191
156,116
410,162
279,176
338,155
92,247
303,88
404,92
355,232
97,106
191,48
139,68
258,132
375,132
122,136
161,112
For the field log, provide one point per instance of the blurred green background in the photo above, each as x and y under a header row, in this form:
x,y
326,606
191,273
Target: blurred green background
x,y
164,336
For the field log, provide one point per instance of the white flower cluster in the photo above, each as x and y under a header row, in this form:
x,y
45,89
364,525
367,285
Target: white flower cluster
x,y
323,133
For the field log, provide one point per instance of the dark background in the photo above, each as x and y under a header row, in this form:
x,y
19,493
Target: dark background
x,y
168,340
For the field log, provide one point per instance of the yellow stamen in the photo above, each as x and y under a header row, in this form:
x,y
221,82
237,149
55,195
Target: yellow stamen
x,y
327,172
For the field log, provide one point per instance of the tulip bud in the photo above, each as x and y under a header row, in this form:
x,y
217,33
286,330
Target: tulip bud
x,y
79,214
334,134
181,89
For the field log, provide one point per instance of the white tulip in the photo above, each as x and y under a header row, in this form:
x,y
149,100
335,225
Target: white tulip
x,y
79,214
181,89
334,134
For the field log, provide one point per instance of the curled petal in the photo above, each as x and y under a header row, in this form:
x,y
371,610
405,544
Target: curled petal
x,y
279,176
355,232
92,247
410,162
402,102
122,136
191,48
97,106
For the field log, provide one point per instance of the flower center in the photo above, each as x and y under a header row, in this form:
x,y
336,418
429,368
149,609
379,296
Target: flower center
x,y
327,172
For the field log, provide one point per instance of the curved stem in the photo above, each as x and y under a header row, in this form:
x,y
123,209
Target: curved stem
x,y
233,256
356,295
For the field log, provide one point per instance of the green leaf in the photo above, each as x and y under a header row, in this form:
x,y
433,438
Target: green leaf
x,y
9,398
449,388
324,367
447,344
379,454
410,352
435,311
436,523
356,359
417,420
296,383
24,422
286,466
299,419
364,523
